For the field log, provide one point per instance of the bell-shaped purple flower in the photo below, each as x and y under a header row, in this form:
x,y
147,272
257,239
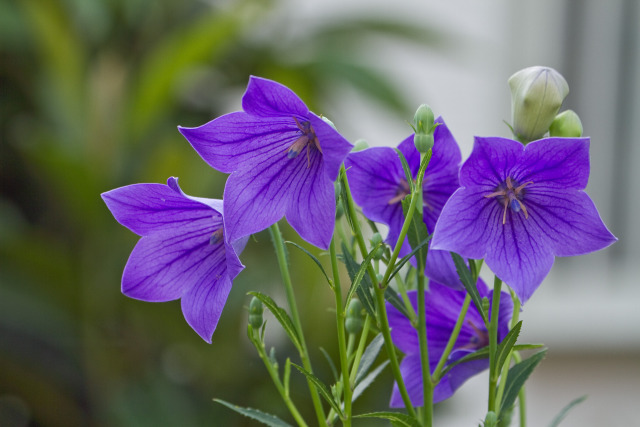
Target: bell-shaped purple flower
x,y
378,185
283,160
183,253
520,206
442,308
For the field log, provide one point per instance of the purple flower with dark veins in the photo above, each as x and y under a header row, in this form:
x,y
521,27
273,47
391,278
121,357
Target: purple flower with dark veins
x,y
283,160
520,206
442,308
378,185
183,253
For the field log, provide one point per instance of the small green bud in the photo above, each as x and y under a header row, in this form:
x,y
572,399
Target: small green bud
x,y
536,96
255,313
491,420
423,143
423,120
359,145
376,239
566,124
355,317
485,304
327,121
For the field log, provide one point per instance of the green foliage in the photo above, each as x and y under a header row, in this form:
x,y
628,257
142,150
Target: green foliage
x,y
264,418
563,413
518,375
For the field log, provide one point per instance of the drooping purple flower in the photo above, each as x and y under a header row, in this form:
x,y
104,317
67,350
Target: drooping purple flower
x,y
378,185
183,253
283,160
442,308
519,206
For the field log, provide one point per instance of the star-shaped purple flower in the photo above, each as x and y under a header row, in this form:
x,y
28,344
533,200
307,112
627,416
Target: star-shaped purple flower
x,y
283,160
378,185
183,252
442,308
519,206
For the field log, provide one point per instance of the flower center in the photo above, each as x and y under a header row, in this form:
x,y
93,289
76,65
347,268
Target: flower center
x,y
510,194
308,137
479,339
401,192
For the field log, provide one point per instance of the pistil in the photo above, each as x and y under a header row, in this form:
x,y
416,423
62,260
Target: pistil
x,y
511,196
307,138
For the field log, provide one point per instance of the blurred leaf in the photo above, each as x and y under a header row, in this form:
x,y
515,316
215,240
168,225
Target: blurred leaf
x,y
322,389
368,380
264,418
407,257
483,353
563,413
467,281
332,365
397,418
316,260
369,356
364,290
518,375
281,316
392,297
362,271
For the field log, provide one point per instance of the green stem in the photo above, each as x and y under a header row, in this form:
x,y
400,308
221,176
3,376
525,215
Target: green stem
x,y
342,342
522,397
427,383
453,338
493,343
505,370
274,376
413,317
360,350
291,300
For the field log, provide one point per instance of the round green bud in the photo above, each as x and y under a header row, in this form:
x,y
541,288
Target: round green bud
x,y
359,145
422,142
255,313
536,96
376,239
423,120
491,420
566,124
355,317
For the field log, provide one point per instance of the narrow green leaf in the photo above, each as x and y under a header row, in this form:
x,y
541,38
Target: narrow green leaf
x,y
563,413
344,197
407,171
282,317
417,232
322,389
393,298
506,345
397,418
314,258
264,418
332,365
355,282
366,381
406,258
369,356
483,353
517,376
467,281
364,290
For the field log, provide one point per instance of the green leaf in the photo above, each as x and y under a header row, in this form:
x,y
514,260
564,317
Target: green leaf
x,y
483,353
322,389
393,298
282,317
563,413
369,356
344,197
406,258
506,345
264,418
467,281
355,281
398,418
332,365
364,290
517,376
407,171
417,233
315,259
366,381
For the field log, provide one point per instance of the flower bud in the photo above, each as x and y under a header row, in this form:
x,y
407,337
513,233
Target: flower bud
x,y
255,313
359,145
376,239
491,420
536,96
566,124
423,143
423,127
355,317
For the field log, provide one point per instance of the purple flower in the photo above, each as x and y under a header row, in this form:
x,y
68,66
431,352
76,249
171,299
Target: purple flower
x,y
283,160
183,252
518,207
442,308
378,185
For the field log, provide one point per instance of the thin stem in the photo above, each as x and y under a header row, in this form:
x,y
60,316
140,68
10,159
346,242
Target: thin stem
x,y
291,300
342,342
522,397
427,383
493,343
360,350
515,318
273,373
453,338
413,317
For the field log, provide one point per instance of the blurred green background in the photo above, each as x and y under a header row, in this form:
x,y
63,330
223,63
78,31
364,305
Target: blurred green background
x,y
91,94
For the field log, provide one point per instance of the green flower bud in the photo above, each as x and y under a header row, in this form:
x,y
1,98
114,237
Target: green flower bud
x,y
255,313
566,124
360,145
355,317
491,420
423,120
536,96
423,143
376,239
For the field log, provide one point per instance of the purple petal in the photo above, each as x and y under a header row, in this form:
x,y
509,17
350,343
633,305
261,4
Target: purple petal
x,y
267,98
237,141
334,146
411,371
490,162
148,208
202,305
441,268
458,375
163,266
403,334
